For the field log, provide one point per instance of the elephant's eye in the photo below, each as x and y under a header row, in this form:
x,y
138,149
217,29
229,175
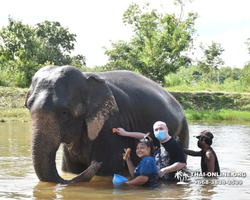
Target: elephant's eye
x,y
64,114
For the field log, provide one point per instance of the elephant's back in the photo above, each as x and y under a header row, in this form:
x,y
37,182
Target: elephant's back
x,y
149,100
138,87
126,80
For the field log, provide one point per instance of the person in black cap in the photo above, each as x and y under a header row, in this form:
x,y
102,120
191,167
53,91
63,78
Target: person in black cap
x,y
209,160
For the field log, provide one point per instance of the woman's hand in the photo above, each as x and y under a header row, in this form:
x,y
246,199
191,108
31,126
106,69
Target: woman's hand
x,y
131,167
126,155
139,180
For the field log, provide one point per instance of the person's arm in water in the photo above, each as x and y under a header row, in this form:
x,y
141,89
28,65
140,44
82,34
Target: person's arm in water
x,y
139,180
192,153
172,168
137,135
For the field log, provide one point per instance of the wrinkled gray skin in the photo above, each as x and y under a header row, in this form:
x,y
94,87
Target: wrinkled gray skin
x,y
79,110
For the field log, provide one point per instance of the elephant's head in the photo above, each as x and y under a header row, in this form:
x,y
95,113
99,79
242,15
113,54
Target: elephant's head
x,y
66,107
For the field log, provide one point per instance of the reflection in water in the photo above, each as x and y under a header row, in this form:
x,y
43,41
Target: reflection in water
x,y
19,181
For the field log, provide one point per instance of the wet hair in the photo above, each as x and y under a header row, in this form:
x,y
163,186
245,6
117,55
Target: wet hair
x,y
149,143
207,139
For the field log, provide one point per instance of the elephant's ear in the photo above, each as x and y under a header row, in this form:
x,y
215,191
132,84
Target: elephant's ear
x,y
101,105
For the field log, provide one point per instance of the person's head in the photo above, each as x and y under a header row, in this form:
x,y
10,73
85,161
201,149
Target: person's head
x,y
204,138
145,147
160,130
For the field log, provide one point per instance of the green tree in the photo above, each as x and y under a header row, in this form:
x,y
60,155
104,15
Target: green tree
x,y
246,74
157,46
225,72
24,49
121,56
190,74
236,73
228,72
79,61
211,61
246,69
56,43
248,44
18,52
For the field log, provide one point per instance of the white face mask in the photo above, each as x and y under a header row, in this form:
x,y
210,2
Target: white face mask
x,y
160,134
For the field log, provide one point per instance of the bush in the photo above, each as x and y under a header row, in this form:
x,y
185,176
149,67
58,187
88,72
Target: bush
x,y
172,80
246,74
4,79
229,80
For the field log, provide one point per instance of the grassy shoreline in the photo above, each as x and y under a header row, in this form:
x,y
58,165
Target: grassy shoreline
x,y
22,114
220,115
12,104
12,109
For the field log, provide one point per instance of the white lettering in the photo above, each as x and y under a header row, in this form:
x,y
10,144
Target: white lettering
x,y
216,174
225,174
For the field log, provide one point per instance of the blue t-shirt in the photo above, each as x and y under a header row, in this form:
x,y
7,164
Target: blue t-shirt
x,y
147,167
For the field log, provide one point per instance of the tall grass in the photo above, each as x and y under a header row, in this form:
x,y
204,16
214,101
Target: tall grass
x,y
223,114
15,114
12,104
235,86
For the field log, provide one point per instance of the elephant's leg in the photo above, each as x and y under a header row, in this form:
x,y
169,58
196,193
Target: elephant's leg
x,y
69,166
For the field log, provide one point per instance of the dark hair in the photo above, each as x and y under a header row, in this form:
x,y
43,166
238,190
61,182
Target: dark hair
x,y
149,143
207,139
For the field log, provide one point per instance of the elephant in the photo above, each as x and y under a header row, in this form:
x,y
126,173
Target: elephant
x,y
80,109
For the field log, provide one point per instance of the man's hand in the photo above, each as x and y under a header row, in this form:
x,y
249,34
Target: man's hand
x,y
121,132
161,172
172,168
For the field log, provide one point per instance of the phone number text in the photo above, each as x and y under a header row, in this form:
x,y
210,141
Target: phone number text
x,y
219,182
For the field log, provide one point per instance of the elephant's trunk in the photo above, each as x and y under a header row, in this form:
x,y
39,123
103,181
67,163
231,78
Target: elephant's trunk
x,y
44,147
43,155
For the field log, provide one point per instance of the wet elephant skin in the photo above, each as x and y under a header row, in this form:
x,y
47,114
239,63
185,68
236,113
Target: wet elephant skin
x,y
79,109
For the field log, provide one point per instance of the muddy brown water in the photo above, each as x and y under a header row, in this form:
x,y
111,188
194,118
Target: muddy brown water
x,y
231,143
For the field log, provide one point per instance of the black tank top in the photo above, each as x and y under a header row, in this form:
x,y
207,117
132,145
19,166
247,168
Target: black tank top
x,y
216,163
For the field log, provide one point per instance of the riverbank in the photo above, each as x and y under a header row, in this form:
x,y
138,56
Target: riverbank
x,y
12,104
205,106
214,106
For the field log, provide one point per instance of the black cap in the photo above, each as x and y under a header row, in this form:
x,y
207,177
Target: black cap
x,y
206,133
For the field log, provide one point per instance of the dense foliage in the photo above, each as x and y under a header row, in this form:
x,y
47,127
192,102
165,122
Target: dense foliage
x,y
210,74
211,60
160,48
157,46
24,49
